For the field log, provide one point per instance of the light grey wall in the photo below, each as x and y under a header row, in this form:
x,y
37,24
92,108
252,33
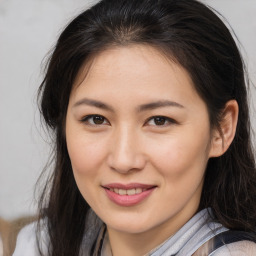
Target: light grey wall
x,y
28,29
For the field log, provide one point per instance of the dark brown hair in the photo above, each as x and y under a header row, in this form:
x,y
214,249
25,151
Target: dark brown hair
x,y
189,33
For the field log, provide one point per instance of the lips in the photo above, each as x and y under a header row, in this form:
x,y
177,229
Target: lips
x,y
128,194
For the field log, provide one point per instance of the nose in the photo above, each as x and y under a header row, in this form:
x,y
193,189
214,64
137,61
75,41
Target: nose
x,y
126,151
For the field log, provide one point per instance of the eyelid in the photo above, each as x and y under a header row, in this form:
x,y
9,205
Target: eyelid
x,y
87,117
170,121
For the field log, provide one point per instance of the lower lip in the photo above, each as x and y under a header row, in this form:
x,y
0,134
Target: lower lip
x,y
128,200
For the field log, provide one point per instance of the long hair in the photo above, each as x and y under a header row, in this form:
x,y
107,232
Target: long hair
x,y
190,34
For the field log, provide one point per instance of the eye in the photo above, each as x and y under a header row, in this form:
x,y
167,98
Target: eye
x,y
160,121
95,120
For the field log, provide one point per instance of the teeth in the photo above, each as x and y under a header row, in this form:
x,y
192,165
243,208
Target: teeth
x,y
122,192
138,190
129,192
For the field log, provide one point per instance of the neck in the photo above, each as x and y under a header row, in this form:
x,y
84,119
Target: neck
x,y
138,244
131,244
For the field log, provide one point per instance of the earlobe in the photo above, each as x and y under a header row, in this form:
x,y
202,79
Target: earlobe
x,y
223,136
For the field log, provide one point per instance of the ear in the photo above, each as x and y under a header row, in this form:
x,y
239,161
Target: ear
x,y
223,135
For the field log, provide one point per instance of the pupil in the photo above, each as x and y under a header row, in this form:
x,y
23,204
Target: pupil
x,y
159,120
98,119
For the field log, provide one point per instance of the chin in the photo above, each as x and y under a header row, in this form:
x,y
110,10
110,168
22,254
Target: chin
x,y
131,226
129,229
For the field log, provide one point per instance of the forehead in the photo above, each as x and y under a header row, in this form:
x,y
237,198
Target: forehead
x,y
127,57
134,69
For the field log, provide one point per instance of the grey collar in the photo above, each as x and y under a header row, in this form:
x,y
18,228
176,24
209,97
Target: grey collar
x,y
199,229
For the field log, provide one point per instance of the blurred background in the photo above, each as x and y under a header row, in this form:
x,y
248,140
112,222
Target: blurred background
x,y
28,30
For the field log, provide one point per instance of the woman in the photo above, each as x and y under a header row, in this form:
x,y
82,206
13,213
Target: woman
x,y
148,104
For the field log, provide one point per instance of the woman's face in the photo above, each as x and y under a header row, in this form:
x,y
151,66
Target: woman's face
x,y
139,139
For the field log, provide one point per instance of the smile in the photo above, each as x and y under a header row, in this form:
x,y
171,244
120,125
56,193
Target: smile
x,y
129,192
128,195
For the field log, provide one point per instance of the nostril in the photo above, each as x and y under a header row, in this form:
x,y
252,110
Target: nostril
x,y
126,163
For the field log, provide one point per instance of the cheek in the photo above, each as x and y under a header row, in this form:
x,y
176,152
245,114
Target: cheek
x,y
85,153
181,155
86,160
181,163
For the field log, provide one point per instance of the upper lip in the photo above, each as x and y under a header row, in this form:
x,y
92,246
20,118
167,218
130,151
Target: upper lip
x,y
128,186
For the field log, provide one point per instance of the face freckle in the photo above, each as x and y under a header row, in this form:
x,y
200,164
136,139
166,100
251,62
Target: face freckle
x,y
128,88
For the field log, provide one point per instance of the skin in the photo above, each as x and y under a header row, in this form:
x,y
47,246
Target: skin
x,y
128,145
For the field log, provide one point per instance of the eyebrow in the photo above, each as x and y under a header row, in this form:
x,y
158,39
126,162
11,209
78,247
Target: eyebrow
x,y
141,108
94,103
159,104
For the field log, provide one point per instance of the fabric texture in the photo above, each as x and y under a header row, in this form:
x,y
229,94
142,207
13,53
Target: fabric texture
x,y
198,230
26,244
186,241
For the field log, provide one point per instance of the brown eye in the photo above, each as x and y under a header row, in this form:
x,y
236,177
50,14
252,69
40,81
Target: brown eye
x,y
159,120
98,119
95,120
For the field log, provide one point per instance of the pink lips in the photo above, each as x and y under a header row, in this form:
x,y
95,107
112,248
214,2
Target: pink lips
x,y
129,194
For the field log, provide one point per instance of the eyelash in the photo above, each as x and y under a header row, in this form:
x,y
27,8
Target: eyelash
x,y
167,121
86,120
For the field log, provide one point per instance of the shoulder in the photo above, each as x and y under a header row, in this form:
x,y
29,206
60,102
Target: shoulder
x,y
241,248
27,241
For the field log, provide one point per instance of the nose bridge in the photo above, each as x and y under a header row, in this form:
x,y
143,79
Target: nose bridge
x,y
126,152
